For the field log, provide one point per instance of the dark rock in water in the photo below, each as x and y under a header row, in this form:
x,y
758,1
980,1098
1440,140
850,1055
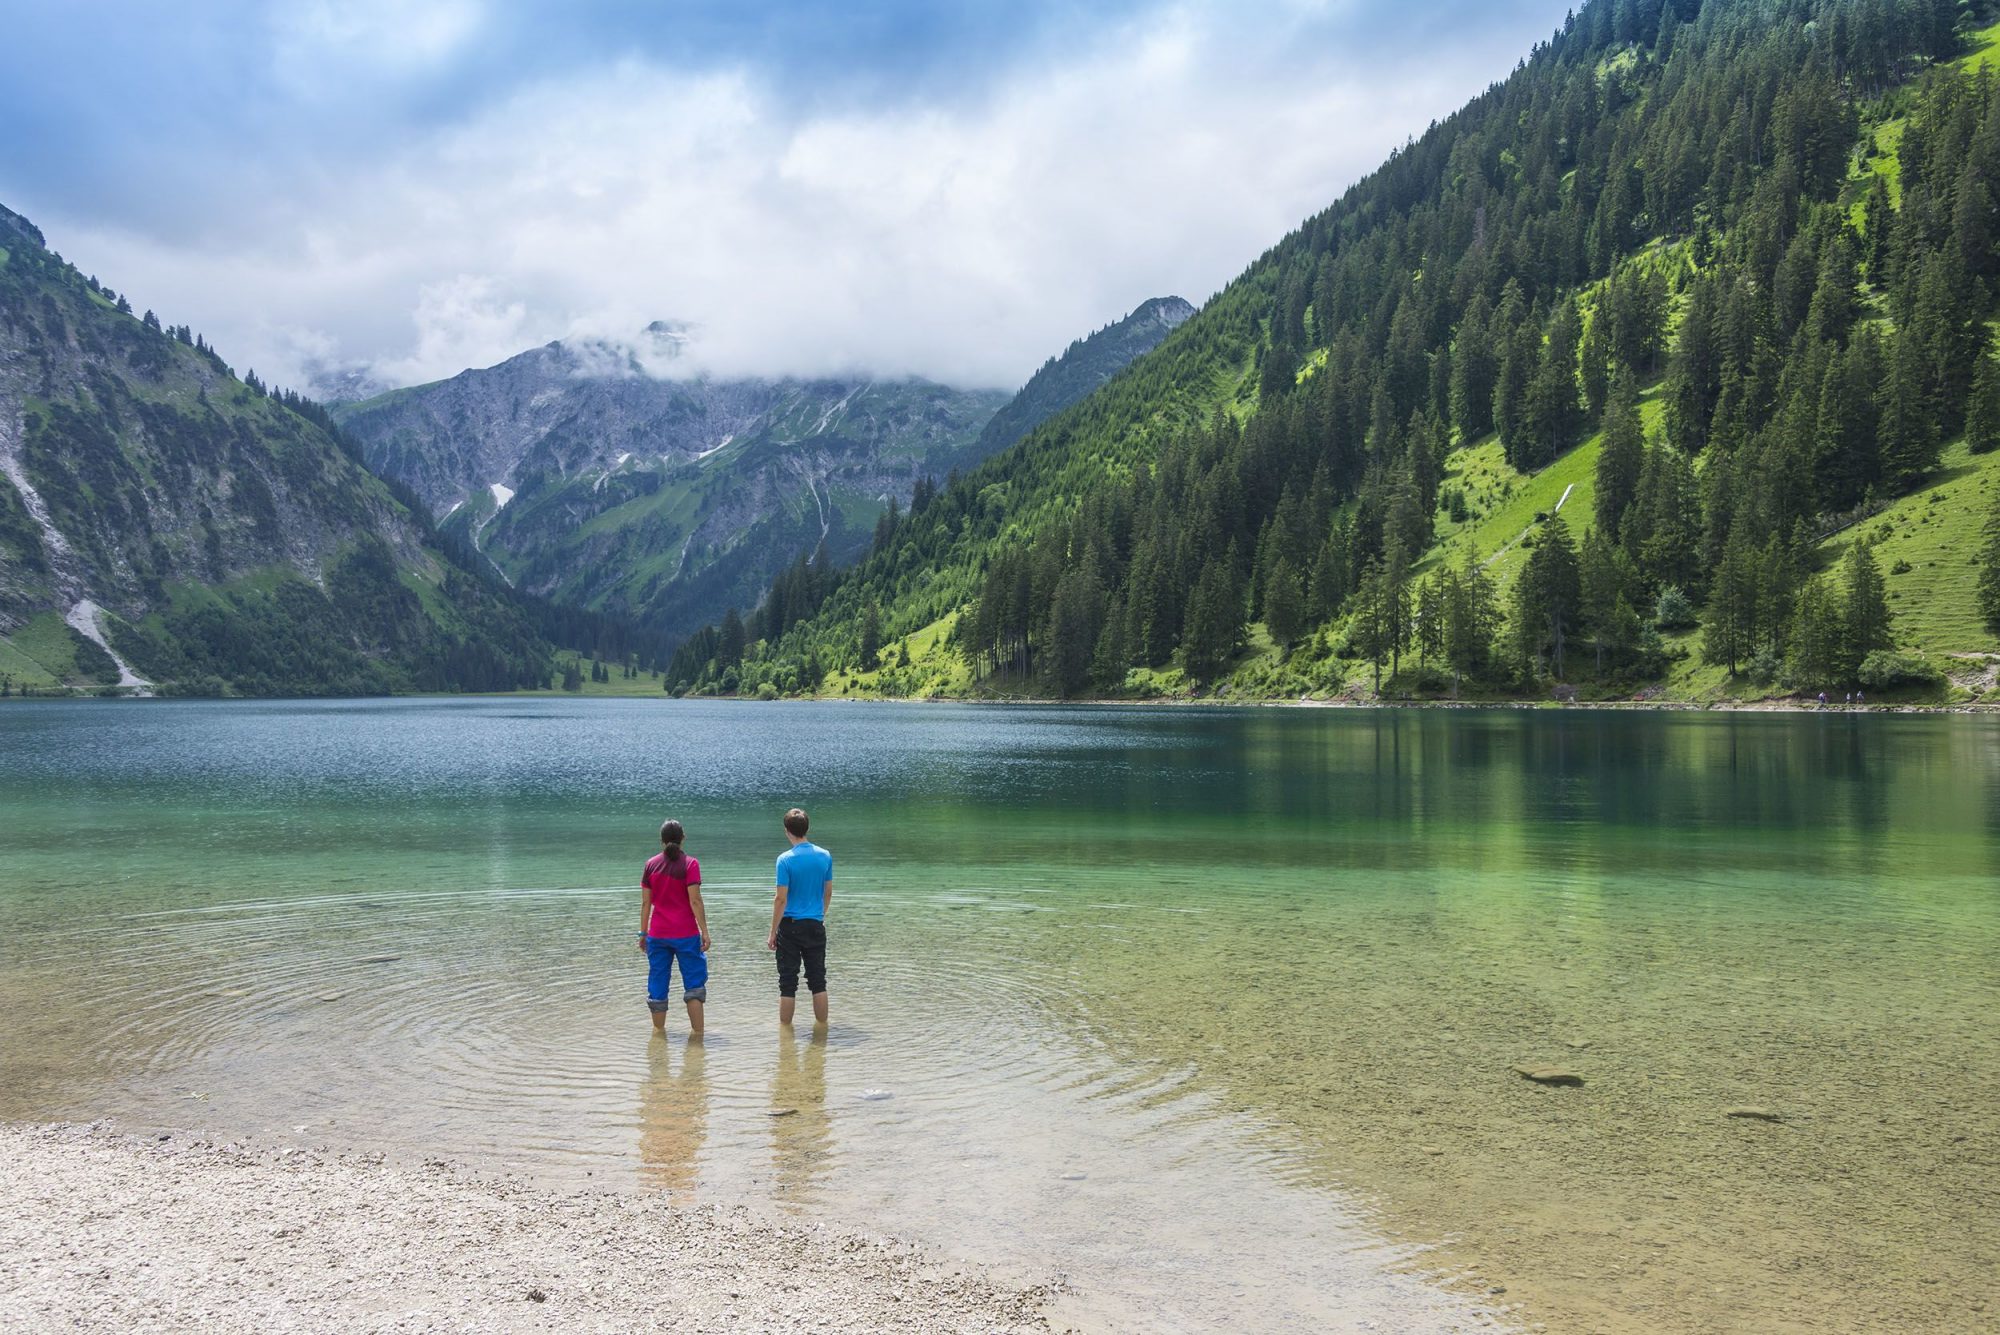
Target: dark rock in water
x,y
1548,1075
1755,1114
781,1112
380,959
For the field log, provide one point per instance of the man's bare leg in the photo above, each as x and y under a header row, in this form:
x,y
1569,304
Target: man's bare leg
x,y
819,1008
785,1010
695,1007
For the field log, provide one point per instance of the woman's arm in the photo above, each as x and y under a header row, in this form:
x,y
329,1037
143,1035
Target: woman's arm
x,y
645,910
700,913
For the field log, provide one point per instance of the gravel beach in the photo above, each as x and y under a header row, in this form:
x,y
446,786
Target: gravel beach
x,y
103,1231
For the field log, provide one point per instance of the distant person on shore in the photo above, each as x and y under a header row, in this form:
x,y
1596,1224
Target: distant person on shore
x,y
673,926
798,918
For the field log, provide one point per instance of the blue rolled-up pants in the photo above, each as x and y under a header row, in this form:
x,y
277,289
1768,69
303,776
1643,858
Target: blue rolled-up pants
x,y
661,953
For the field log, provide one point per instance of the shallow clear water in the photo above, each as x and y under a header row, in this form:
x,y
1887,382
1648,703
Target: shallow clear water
x,y
1214,1010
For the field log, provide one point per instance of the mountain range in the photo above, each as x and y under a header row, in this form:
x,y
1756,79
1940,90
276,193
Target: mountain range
x,y
164,522
1661,369
613,477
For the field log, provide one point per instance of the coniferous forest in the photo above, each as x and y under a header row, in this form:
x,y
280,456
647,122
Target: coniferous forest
x,y
1632,375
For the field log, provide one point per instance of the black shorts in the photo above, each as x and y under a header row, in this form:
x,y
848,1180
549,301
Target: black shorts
x,y
801,940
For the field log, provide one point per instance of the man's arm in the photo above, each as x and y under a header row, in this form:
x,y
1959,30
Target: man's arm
x,y
777,913
826,899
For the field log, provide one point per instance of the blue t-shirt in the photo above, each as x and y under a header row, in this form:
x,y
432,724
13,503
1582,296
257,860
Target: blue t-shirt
x,y
804,872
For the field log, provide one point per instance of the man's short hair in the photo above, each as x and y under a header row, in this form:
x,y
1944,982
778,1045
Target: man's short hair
x,y
796,822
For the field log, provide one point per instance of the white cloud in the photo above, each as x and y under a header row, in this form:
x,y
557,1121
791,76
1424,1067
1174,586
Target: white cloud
x,y
319,47
966,242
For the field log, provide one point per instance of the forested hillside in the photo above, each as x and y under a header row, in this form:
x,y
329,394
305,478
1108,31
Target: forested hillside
x,y
213,535
1662,366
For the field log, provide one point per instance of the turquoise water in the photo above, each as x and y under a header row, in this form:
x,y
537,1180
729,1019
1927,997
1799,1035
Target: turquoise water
x,y
1114,989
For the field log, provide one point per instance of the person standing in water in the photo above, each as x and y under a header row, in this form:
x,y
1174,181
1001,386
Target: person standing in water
x,y
798,918
673,926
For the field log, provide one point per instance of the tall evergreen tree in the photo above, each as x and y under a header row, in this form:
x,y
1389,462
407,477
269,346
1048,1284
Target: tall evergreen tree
x,y
1982,413
1620,458
1284,604
1214,628
1729,632
1865,617
1989,570
1818,640
871,637
1547,597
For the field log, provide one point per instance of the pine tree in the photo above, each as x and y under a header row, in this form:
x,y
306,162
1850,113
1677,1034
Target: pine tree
x,y
1818,638
1396,600
1547,596
1982,414
1076,620
1112,658
1284,604
1605,608
1471,619
1877,224
1729,633
1989,570
729,651
1620,458
1554,410
1214,622
1371,630
1865,616
871,636
1430,618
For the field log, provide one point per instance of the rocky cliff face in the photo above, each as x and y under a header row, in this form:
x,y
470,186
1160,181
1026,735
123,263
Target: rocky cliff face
x,y
178,517
588,476
587,480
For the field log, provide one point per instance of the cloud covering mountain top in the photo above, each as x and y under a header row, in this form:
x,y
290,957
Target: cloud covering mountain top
x,y
821,189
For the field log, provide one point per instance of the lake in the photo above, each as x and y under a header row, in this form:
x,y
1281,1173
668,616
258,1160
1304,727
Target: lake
x,y
1216,1011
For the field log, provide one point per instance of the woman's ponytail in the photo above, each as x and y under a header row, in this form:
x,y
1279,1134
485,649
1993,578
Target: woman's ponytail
x,y
671,838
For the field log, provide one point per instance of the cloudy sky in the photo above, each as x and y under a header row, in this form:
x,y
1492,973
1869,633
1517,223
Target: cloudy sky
x,y
947,189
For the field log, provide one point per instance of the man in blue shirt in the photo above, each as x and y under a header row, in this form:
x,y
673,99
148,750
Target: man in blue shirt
x,y
798,918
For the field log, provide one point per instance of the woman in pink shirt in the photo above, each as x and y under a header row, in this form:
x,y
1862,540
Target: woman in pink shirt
x,y
673,925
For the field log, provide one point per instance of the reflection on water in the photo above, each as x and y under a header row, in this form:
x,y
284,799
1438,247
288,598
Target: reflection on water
x,y
1135,992
673,1114
801,1124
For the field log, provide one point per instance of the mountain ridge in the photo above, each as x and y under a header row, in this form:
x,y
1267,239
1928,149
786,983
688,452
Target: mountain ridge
x,y
162,521
588,478
1661,223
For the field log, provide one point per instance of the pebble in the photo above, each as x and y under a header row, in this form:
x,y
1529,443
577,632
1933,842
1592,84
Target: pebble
x,y
1755,1113
1074,1177
781,1112
380,959
875,1095
1431,1149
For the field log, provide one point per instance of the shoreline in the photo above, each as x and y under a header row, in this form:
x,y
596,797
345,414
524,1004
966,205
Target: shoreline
x,y
104,1230
1773,705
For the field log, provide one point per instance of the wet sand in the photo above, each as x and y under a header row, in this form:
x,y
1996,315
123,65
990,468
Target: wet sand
x,y
102,1231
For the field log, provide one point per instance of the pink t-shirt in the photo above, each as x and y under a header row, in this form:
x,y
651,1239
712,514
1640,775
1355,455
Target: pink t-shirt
x,y
673,918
